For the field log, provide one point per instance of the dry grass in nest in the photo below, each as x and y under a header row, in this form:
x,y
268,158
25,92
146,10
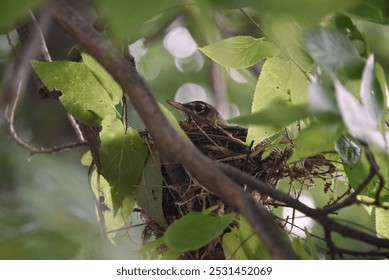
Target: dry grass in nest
x,y
182,193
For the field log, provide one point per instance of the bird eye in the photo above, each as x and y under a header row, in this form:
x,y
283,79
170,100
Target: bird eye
x,y
199,108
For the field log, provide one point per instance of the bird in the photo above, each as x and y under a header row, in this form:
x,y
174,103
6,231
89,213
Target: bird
x,y
200,112
209,131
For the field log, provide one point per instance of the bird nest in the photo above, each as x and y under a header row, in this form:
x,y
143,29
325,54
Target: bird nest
x,y
182,193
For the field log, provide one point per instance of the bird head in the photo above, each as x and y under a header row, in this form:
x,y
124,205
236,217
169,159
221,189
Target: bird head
x,y
199,111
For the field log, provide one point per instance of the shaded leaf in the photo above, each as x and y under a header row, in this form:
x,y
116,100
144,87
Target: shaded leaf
x,y
240,52
333,50
195,230
370,10
104,78
82,95
148,193
320,101
172,120
279,80
349,150
122,155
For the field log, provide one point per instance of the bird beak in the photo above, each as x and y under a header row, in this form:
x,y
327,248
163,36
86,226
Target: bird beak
x,y
177,105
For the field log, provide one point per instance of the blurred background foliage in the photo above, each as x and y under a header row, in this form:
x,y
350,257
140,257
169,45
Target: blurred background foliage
x,y
46,205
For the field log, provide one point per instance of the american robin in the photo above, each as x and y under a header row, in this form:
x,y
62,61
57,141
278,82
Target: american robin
x,y
200,112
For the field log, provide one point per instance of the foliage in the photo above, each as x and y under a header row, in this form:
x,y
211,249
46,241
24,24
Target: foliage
x,y
307,71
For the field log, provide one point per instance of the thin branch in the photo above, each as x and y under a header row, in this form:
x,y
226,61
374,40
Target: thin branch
x,y
316,214
31,35
166,138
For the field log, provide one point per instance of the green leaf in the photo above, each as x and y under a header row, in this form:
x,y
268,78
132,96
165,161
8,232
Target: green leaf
x,y
279,80
148,193
349,150
195,230
123,156
12,12
357,174
370,10
82,95
333,50
241,243
382,222
113,221
313,140
127,18
285,115
104,78
240,52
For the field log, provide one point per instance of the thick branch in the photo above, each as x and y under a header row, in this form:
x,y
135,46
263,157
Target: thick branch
x,y
166,138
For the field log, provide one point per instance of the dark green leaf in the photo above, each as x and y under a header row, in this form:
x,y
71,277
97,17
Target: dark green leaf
x,y
348,150
82,95
195,230
240,52
11,12
370,10
122,155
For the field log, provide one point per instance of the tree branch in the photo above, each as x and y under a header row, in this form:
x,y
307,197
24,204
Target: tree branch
x,y
167,140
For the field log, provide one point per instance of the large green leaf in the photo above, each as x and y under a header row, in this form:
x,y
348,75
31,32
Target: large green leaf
x,y
148,192
195,230
82,95
104,78
241,243
334,51
123,155
279,80
11,12
240,52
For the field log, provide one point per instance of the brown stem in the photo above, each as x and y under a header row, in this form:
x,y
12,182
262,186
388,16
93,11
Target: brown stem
x,y
165,137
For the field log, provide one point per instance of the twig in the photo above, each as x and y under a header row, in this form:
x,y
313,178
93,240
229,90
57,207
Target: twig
x,y
166,138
